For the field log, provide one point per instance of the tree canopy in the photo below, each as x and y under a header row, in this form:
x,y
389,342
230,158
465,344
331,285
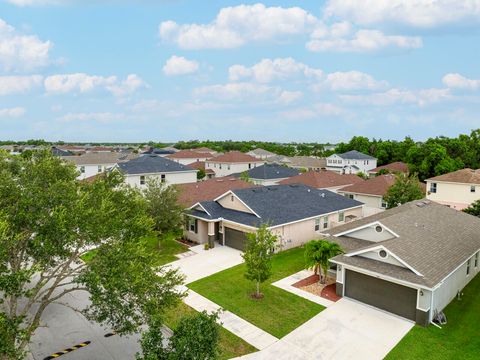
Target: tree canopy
x,y
318,254
406,188
473,209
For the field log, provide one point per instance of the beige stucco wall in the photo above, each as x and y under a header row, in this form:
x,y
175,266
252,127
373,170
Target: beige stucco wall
x,y
224,169
202,233
236,204
170,178
186,161
91,170
455,195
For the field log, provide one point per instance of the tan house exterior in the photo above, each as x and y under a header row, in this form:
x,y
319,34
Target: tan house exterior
x,y
231,163
457,189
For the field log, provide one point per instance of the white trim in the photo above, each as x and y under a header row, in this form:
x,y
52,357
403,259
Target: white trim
x,y
159,173
451,182
381,247
381,276
358,193
235,223
199,204
232,193
316,216
458,267
366,226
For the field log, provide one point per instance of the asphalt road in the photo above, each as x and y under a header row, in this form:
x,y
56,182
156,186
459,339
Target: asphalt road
x,y
67,328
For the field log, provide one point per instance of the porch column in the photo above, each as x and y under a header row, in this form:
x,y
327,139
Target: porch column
x,y
211,234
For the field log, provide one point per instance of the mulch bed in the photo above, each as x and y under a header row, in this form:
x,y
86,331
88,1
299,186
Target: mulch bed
x,y
311,285
186,242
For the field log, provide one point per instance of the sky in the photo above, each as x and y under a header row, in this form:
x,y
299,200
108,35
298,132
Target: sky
x,y
166,70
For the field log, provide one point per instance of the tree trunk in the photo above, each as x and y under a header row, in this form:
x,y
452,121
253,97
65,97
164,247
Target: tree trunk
x,y
258,289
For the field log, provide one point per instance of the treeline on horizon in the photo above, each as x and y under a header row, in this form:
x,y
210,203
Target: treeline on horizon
x,y
432,157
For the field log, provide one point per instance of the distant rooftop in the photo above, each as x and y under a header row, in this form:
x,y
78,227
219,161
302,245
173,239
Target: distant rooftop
x,y
151,164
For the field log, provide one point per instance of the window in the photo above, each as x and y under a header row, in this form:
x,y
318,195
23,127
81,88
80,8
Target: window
x,y
476,259
468,267
220,166
162,178
99,168
249,166
341,216
384,204
350,196
82,169
142,180
325,222
433,188
228,166
232,198
472,189
192,225
317,224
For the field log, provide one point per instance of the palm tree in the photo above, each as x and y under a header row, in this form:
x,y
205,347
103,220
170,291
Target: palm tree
x,y
318,254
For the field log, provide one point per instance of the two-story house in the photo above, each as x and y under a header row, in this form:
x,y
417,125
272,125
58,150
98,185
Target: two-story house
x,y
186,157
93,163
457,189
351,162
232,162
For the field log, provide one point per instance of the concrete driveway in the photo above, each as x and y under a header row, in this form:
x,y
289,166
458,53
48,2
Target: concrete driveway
x,y
345,330
207,262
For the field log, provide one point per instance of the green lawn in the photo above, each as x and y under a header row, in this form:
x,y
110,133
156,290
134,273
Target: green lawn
x,y
459,339
278,313
162,250
230,345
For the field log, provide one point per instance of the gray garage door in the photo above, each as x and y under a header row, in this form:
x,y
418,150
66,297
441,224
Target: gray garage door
x,y
395,298
235,239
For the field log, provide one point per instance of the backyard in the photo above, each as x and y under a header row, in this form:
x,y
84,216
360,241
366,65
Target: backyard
x,y
230,345
456,340
163,249
279,312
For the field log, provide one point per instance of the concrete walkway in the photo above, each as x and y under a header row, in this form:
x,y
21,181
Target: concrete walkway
x,y
238,326
287,285
345,330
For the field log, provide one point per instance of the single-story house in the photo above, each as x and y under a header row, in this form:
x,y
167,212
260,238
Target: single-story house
x,y
324,179
186,157
269,174
261,153
411,260
295,213
395,167
307,163
192,193
232,162
370,192
139,170
457,189
92,163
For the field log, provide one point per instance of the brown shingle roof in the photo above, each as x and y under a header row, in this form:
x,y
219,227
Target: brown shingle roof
x,y
200,165
323,179
100,158
466,176
188,154
308,162
397,166
375,186
190,194
234,157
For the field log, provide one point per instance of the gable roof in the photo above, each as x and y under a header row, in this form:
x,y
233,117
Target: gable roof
x,y
308,162
397,166
356,155
465,176
188,154
432,238
200,165
208,190
377,186
235,157
150,164
270,172
279,204
204,149
323,179
261,152
100,158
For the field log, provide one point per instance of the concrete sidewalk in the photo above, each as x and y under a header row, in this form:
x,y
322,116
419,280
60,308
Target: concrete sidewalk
x,y
238,326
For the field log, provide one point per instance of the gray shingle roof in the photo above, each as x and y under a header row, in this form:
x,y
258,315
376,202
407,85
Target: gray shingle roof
x,y
433,239
270,172
357,155
150,164
280,204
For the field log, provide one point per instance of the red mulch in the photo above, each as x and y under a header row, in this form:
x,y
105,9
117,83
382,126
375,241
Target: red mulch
x,y
307,281
329,292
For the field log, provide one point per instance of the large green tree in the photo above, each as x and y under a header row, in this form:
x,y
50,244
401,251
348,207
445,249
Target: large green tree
x,y
258,256
48,220
318,254
406,188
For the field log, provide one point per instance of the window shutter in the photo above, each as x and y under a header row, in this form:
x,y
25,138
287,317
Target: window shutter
x,y
196,226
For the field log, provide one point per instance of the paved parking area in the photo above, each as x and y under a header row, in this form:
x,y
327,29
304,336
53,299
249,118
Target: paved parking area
x,y
345,330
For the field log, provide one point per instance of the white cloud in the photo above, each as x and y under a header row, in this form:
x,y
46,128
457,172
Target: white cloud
x,y
237,25
80,82
394,96
341,39
12,112
287,97
352,80
268,70
236,91
36,2
416,13
102,117
178,65
22,52
18,84
460,82
317,110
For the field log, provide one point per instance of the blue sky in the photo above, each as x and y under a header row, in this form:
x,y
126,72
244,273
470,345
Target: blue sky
x,y
169,70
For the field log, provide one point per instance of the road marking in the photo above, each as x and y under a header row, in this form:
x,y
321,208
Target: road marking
x,y
67,350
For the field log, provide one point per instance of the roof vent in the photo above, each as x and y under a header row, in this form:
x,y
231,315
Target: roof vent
x,y
321,195
293,185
